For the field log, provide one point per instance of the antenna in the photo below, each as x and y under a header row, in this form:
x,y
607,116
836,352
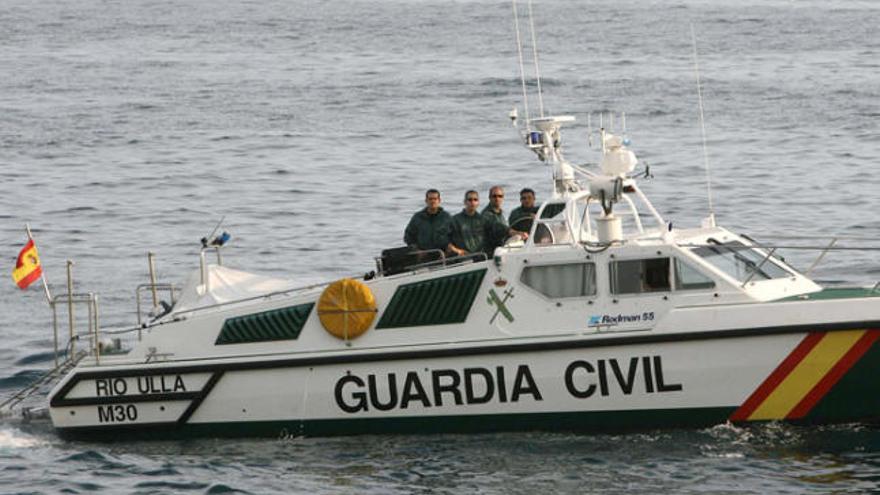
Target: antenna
x,y
535,56
590,130
711,219
206,240
522,71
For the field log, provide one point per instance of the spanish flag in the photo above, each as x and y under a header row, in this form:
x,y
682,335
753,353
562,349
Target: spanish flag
x,y
27,267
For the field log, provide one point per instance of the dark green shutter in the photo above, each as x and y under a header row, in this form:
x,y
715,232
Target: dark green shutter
x,y
436,301
277,324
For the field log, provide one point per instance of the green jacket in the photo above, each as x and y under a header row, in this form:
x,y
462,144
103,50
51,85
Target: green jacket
x,y
426,231
496,231
516,216
469,232
490,214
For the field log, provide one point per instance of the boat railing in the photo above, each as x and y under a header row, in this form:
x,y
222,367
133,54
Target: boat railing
x,y
827,245
431,265
203,265
160,307
72,301
402,259
551,231
823,250
756,269
822,245
36,387
450,261
98,347
176,312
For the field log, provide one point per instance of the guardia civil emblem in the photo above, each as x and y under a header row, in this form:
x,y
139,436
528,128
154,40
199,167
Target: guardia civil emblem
x,y
495,300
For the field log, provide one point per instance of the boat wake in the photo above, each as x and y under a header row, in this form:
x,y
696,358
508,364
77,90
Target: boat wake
x,y
11,439
769,434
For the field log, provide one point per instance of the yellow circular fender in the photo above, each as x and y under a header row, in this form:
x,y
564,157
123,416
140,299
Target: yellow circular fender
x,y
347,308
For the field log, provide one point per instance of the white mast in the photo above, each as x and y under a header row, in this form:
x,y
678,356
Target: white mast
x,y
522,70
535,57
710,222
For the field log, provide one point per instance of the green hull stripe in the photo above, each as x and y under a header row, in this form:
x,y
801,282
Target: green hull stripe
x,y
856,394
835,293
277,324
587,422
437,301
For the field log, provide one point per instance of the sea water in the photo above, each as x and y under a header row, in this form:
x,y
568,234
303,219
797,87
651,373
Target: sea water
x,y
313,128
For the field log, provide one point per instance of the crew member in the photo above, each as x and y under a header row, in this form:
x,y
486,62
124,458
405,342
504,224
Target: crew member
x,y
493,212
521,218
429,228
469,228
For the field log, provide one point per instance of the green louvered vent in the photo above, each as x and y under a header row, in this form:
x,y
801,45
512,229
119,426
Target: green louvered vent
x,y
433,302
278,324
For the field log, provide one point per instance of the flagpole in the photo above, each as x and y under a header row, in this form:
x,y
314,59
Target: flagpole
x,y
42,272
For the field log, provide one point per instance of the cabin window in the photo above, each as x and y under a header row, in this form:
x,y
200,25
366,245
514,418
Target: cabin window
x,y
563,280
638,276
552,209
741,261
689,278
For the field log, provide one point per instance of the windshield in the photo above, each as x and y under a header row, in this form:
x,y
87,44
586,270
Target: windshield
x,y
552,232
741,261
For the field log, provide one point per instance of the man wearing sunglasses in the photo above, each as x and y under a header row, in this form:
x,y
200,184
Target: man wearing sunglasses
x,y
493,210
469,228
495,214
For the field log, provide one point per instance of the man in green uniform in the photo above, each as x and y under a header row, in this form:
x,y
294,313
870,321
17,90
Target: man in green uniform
x,y
469,228
493,212
429,228
521,218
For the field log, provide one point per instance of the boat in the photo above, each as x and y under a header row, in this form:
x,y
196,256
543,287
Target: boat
x,y
604,318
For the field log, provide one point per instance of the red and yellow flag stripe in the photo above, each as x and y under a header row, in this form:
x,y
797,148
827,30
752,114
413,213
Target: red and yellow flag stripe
x,y
806,375
27,267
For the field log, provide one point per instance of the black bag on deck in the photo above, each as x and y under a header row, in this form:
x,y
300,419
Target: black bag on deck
x,y
397,260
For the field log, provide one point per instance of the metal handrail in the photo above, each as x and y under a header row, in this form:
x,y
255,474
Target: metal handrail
x,y
35,386
90,299
454,260
813,237
821,256
253,298
381,267
203,265
446,261
756,268
153,288
772,248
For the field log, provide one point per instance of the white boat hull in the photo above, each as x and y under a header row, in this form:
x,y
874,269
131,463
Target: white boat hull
x,y
628,382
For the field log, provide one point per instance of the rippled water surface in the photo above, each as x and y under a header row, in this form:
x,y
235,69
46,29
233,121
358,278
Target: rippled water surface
x,y
314,128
